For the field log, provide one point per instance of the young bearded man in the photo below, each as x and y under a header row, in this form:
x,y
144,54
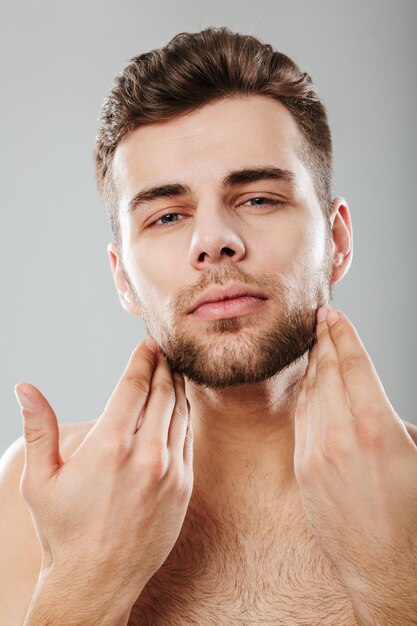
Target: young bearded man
x,y
249,467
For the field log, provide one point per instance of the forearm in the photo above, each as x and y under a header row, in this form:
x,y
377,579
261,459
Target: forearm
x,y
73,602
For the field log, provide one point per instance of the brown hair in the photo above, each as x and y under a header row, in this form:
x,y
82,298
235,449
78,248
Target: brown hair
x,y
194,69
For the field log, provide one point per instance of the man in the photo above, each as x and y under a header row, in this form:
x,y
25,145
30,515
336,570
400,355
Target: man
x,y
248,467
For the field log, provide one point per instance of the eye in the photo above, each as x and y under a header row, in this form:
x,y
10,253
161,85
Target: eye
x,y
171,218
272,201
168,218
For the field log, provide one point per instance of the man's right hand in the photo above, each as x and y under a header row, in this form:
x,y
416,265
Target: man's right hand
x,y
113,511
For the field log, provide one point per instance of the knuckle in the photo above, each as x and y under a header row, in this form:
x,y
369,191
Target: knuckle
x,y
138,383
117,449
326,366
182,411
33,434
165,389
154,463
334,446
370,437
351,363
180,481
189,435
339,330
176,476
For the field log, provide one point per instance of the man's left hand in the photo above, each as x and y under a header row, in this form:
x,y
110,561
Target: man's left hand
x,y
356,467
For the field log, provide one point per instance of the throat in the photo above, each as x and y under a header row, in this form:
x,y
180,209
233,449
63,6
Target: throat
x,y
235,479
249,505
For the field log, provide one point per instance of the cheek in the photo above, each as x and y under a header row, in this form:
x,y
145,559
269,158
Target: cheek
x,y
301,260
299,251
312,245
152,276
275,255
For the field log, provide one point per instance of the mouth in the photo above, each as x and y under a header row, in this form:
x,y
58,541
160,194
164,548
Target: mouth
x,y
229,307
222,302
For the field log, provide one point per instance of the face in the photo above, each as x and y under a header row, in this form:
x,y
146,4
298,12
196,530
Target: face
x,y
260,230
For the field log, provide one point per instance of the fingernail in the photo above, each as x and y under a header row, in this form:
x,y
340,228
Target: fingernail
x,y
321,314
332,317
23,399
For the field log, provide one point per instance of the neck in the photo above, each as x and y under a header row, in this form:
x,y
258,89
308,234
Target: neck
x,y
244,439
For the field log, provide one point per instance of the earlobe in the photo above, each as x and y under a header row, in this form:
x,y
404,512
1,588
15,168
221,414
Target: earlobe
x,y
122,285
342,239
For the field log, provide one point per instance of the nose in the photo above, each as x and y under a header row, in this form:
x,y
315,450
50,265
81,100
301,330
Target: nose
x,y
215,238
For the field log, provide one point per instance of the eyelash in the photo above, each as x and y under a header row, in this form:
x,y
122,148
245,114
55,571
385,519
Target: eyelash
x,y
272,201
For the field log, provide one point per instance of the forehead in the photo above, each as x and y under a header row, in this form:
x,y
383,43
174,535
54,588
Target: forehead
x,y
198,147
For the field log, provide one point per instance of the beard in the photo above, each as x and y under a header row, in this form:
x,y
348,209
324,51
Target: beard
x,y
241,350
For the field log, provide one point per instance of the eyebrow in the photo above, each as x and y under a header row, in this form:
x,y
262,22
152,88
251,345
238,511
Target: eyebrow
x,y
232,179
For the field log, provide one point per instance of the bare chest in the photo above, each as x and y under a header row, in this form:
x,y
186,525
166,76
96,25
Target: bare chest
x,y
224,571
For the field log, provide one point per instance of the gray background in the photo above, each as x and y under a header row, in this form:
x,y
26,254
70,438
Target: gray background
x,y
62,327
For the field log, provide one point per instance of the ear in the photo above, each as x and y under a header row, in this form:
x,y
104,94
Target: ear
x,y
122,286
341,226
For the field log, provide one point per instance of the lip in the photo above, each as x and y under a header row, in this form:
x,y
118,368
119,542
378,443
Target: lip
x,y
225,309
218,293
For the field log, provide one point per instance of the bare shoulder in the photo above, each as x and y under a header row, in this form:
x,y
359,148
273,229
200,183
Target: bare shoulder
x,y
13,459
19,547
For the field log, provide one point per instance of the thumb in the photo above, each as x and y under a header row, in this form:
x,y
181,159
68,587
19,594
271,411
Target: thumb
x,y
41,432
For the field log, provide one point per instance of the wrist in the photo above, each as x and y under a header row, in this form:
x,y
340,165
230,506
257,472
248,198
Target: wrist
x,y
76,599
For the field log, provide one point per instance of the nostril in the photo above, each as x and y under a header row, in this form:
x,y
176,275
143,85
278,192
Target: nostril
x,y
228,251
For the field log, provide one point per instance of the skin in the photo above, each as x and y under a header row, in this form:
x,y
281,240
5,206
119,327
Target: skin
x,y
324,408
356,466
314,430
243,433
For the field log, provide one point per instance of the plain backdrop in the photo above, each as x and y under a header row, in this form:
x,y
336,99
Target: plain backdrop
x,y
62,327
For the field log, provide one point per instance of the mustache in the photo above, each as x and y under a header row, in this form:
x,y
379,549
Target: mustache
x,y
268,282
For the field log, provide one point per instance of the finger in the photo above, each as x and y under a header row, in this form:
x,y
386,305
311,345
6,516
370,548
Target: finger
x,y
334,404
154,426
189,444
314,416
363,386
179,421
180,418
41,433
300,423
127,401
